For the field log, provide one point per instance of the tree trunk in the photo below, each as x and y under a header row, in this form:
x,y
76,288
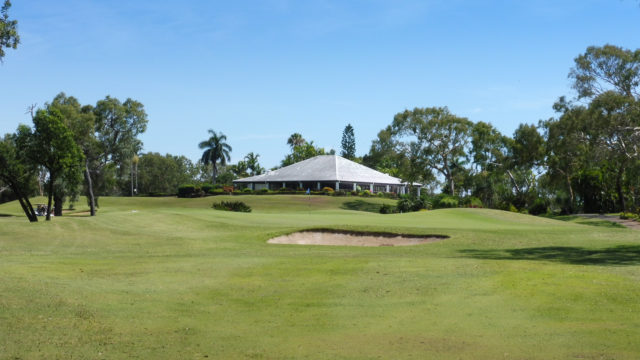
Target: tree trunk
x,y
34,216
50,195
136,173
131,176
58,201
619,189
571,196
92,200
28,210
513,180
214,172
23,200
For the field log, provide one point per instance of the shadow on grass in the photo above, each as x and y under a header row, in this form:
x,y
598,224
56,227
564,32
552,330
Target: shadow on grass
x,y
6,215
618,255
361,205
587,221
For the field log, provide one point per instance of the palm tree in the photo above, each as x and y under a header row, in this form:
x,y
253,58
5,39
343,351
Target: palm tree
x,y
216,149
295,140
252,163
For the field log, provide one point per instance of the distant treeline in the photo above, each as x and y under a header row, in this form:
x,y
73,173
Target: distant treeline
x,y
586,158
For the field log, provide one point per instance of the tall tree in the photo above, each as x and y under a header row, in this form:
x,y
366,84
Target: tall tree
x,y
348,143
215,150
607,68
162,174
117,126
51,145
295,140
489,152
9,37
384,154
16,172
81,121
433,138
566,150
609,77
525,156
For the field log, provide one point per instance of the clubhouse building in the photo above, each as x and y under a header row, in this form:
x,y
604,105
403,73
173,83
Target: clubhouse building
x,y
322,171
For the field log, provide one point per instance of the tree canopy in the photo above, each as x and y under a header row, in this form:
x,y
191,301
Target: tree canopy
x,y
216,150
9,38
348,143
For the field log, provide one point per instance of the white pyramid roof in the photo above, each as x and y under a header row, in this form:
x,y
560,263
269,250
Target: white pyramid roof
x,y
324,168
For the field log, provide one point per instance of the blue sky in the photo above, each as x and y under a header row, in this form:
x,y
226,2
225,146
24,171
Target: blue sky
x,y
261,70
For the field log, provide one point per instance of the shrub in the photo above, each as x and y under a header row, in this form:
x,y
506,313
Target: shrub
x,y
327,189
263,191
186,191
354,193
405,204
626,216
420,203
538,207
390,195
442,201
380,194
237,206
513,208
217,192
247,190
366,193
340,193
206,187
386,209
473,202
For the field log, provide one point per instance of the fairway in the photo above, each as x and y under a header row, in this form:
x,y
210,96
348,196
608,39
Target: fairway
x,y
168,278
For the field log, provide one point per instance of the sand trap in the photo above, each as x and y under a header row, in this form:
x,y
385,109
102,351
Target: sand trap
x,y
350,238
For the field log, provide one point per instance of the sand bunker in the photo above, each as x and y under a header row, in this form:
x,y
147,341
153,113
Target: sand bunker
x,y
350,238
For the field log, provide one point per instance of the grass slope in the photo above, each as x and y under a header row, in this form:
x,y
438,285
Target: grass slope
x,y
171,278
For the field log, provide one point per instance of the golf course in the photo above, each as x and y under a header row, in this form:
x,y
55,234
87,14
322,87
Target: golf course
x,y
170,278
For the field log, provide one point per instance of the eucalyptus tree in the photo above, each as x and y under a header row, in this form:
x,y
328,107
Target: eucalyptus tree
x,y
384,154
117,127
81,121
216,150
609,78
9,37
162,174
16,172
432,138
523,163
489,151
51,145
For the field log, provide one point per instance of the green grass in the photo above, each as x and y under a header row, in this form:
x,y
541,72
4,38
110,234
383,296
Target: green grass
x,y
587,221
167,278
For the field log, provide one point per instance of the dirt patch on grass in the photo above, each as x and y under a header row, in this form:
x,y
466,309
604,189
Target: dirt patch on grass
x,y
353,238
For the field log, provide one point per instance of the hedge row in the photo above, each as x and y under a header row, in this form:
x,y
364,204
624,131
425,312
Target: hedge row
x,y
192,191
